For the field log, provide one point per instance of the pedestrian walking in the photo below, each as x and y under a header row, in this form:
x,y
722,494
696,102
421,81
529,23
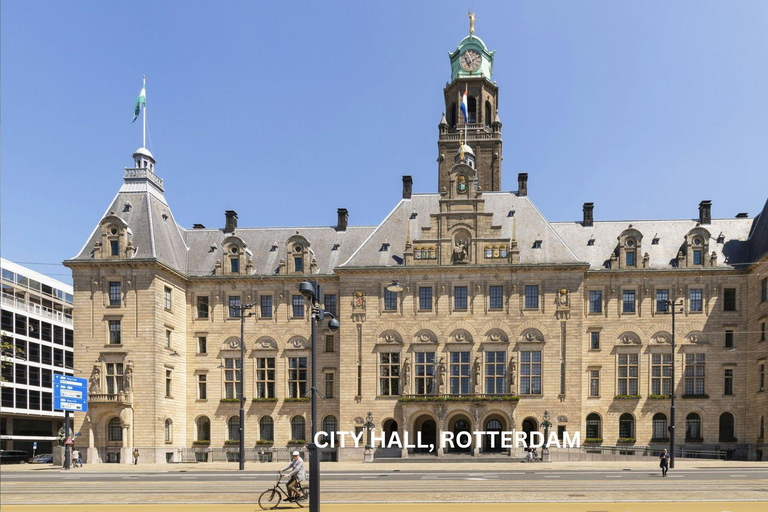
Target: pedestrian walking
x,y
73,457
664,462
135,456
77,461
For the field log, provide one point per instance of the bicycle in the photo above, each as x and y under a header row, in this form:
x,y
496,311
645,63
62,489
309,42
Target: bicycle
x,y
271,498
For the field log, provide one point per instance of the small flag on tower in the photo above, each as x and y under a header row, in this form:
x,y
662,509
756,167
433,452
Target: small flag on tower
x,y
463,104
141,100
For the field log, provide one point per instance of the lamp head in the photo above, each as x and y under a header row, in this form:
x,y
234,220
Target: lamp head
x,y
333,325
307,290
394,287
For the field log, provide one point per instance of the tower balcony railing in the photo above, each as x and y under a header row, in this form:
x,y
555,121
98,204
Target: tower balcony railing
x,y
109,398
136,173
10,300
471,135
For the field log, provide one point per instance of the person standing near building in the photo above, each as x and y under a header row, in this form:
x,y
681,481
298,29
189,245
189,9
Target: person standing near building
x,y
135,456
664,462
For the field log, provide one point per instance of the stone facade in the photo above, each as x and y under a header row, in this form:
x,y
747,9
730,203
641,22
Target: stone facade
x,y
462,310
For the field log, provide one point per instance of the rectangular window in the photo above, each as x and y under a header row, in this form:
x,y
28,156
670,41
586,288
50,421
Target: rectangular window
x,y
168,384
266,306
661,374
460,297
114,378
729,299
764,289
389,373
728,382
114,332
595,301
168,302
697,257
168,338
495,372
232,377
762,331
662,297
234,306
460,376
234,265
330,302
728,339
630,258
530,373
329,385
114,293
761,379
696,300
202,389
531,296
58,357
298,264
330,343
425,298
114,248
202,345
202,307
594,340
594,383
628,301
298,306
694,374
628,374
390,301
496,297
265,377
425,373
297,377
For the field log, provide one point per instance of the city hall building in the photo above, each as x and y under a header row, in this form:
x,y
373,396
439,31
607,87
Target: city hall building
x,y
463,310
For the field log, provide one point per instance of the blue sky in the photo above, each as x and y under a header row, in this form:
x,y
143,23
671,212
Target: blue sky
x,y
285,111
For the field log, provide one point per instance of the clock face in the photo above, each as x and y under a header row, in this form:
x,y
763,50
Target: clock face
x,y
470,60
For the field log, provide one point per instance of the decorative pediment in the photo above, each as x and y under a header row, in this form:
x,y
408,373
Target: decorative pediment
x,y
265,343
496,336
231,343
460,336
390,337
297,342
425,336
628,338
697,337
531,335
661,337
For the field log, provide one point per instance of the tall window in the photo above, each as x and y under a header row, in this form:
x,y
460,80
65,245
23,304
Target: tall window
x,y
762,331
389,373
203,427
168,431
390,300
232,377
628,301
531,296
595,301
764,289
298,306
168,383
594,426
114,430
114,293
425,298
496,297
693,427
298,428
168,338
425,373
234,306
628,372
330,426
234,265
329,385
727,429
729,299
696,302
233,428
330,343
594,383
297,377
697,257
662,296
530,373
114,378
761,377
694,374
660,426
460,297
202,307
330,303
114,332
202,386
202,345
266,306
661,374
630,258
495,372
729,339
167,298
594,340
298,264
266,428
265,377
114,248
627,426
460,375
728,382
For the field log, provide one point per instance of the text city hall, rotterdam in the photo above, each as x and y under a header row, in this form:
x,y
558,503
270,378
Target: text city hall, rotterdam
x,y
464,310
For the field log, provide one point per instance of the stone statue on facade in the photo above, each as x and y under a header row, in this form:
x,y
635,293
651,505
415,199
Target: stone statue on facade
x,y
512,370
94,385
476,373
439,375
406,376
460,251
128,377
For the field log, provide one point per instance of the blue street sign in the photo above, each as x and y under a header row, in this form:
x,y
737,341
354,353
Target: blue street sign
x,y
34,445
70,393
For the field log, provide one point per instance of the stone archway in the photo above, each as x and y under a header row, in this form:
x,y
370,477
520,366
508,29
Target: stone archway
x,y
458,424
492,443
427,426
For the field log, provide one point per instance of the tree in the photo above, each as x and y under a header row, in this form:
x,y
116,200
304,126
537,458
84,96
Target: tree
x,y
8,351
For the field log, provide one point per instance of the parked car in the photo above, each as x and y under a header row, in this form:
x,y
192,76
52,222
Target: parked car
x,y
13,457
43,458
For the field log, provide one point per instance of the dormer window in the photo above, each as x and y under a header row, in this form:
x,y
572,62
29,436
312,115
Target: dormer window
x,y
655,241
234,265
629,247
630,258
537,244
591,242
298,264
697,260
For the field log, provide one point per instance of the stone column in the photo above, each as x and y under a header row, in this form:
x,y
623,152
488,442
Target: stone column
x,y
92,453
125,450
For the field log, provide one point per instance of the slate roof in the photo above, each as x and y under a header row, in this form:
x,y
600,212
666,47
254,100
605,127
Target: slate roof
x,y
758,236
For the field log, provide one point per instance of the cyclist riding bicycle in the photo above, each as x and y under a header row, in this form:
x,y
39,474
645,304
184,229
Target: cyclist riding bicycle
x,y
296,474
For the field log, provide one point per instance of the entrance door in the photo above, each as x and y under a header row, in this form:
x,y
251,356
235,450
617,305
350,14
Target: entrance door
x,y
428,431
461,425
492,426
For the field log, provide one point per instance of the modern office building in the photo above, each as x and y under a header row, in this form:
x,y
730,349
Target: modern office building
x,y
38,343
497,317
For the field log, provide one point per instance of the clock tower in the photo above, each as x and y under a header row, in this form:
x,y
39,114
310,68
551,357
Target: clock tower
x,y
471,71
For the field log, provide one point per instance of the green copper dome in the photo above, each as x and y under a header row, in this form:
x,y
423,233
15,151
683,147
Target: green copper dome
x,y
471,58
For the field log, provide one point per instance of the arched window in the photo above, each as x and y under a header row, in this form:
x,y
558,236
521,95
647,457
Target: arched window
x,y
233,428
390,427
488,119
203,425
471,109
727,431
298,428
330,426
660,426
452,115
594,426
762,427
693,427
114,430
266,428
168,431
627,426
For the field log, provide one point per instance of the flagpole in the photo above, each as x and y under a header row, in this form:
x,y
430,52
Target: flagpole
x,y
144,132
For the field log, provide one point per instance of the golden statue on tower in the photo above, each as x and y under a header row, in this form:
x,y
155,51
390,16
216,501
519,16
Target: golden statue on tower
x,y
471,22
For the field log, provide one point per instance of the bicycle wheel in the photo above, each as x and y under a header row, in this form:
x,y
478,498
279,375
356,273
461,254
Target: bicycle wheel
x,y
303,499
269,499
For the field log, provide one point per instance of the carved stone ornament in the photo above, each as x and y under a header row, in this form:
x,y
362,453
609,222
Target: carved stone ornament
x,y
562,419
391,337
358,302
298,343
563,298
461,336
425,337
461,251
267,343
661,337
495,336
532,335
698,338
233,342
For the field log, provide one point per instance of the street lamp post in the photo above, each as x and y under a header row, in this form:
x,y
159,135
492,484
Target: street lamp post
x,y
241,311
547,425
668,304
313,293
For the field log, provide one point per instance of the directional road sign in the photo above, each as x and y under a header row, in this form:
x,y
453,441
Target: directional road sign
x,y
70,393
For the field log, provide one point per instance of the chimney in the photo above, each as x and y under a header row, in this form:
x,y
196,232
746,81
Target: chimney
x,y
742,215
705,212
407,187
231,224
341,224
588,218
198,226
522,184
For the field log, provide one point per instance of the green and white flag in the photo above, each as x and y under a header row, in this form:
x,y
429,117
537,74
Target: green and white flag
x,y
141,100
